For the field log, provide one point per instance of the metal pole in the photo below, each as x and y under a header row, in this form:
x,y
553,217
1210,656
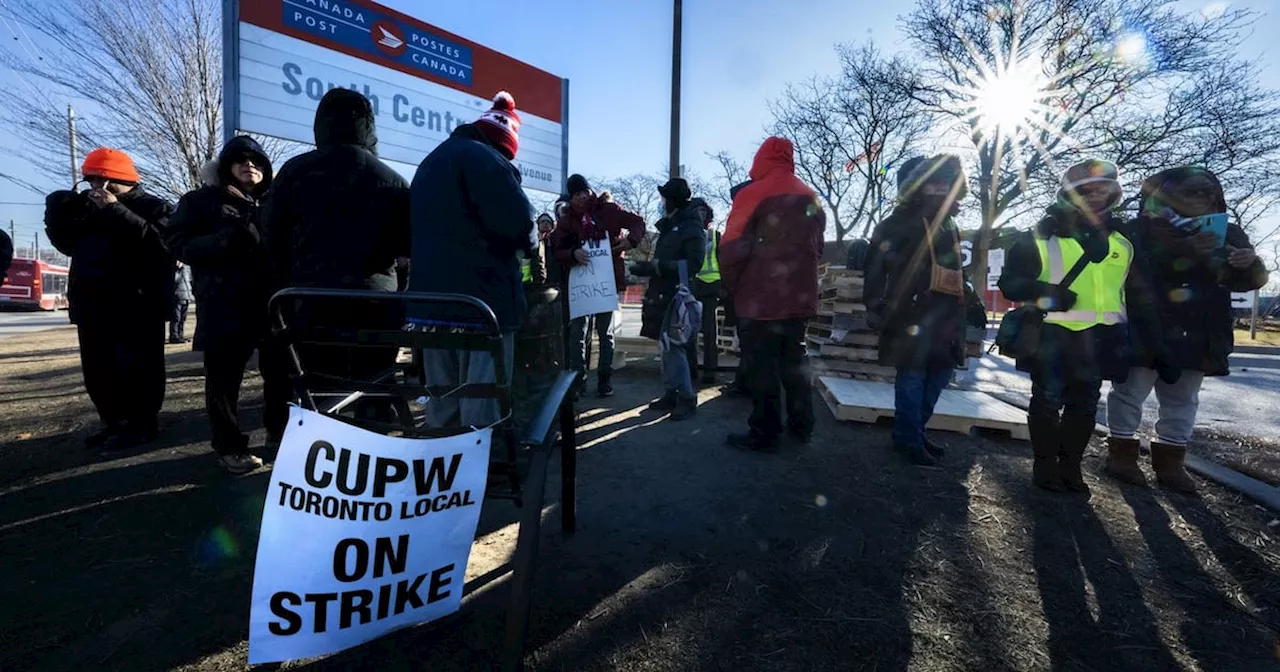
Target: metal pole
x,y
37,248
71,136
1253,323
675,89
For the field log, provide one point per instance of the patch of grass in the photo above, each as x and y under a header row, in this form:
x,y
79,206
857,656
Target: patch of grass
x,y
1264,337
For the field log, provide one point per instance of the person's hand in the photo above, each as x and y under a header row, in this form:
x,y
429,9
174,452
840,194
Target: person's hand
x,y
1167,371
580,257
1204,243
1061,298
101,197
643,269
623,245
1240,257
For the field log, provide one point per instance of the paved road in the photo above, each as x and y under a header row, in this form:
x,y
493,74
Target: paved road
x,y
13,323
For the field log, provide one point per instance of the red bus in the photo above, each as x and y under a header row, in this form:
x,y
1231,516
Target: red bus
x,y
35,284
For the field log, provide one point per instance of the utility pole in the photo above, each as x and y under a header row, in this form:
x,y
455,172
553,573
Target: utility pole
x,y
675,89
37,246
71,137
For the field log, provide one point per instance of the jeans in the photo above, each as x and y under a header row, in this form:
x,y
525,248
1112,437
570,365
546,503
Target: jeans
x,y
1178,405
776,361
452,368
915,394
1060,399
178,321
223,377
578,344
710,347
676,375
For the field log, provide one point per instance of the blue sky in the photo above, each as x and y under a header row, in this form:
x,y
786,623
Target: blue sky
x,y
737,55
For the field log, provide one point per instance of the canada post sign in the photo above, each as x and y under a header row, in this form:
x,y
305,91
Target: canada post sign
x,y
282,56
379,36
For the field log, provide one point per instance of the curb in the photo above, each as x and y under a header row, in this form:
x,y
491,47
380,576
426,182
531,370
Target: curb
x,y
1256,350
1263,493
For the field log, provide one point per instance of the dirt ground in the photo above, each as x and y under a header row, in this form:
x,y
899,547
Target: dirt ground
x,y
689,555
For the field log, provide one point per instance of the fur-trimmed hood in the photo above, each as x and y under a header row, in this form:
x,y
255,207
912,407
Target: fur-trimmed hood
x,y
217,172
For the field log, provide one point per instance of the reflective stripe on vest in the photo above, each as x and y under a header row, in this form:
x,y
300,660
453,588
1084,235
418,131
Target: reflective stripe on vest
x,y
1099,289
526,271
710,264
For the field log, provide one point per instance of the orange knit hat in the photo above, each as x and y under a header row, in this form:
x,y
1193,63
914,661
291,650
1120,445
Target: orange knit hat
x,y
112,164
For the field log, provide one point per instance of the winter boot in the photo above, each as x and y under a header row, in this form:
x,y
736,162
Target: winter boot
x,y
666,402
685,408
1122,460
1168,462
604,384
1044,446
1074,440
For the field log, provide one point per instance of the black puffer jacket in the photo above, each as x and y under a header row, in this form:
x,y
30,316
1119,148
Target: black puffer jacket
x,y
120,268
681,237
337,216
216,231
1193,292
6,254
918,328
1101,352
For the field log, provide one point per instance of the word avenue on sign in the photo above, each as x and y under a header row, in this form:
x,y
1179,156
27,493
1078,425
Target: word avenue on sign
x,y
592,286
362,534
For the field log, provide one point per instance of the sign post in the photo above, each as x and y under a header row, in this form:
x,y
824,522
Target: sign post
x,y
281,56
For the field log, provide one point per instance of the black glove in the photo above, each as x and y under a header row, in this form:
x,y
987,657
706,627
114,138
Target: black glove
x,y
643,269
1061,298
1168,373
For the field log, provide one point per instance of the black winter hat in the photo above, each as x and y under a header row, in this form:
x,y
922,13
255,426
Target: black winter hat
x,y
1160,188
577,183
944,168
904,171
676,190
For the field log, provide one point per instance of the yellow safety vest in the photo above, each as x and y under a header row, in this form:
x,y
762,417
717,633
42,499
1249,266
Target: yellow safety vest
x,y
1099,289
710,264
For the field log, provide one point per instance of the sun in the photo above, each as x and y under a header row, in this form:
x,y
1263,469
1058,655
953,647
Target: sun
x,y
1011,98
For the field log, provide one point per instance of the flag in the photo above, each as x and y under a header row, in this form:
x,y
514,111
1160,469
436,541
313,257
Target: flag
x,y
872,153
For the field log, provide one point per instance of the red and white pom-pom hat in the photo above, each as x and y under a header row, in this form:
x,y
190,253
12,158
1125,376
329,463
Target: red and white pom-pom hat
x,y
501,125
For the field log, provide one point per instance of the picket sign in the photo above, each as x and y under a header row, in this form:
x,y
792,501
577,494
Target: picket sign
x,y
362,534
592,287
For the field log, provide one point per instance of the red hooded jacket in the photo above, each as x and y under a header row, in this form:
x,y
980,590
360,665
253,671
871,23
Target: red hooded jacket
x,y
608,220
772,244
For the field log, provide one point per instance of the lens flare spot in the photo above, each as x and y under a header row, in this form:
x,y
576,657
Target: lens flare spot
x,y
1132,49
1180,295
913,330
821,501
220,544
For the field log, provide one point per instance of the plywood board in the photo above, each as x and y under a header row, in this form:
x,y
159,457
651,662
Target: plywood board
x,y
818,331
869,368
853,294
957,410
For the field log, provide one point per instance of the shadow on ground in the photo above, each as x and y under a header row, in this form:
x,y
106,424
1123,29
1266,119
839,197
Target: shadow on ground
x,y
689,555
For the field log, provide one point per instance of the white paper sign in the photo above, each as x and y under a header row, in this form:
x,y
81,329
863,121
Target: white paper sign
x,y
362,534
592,286
1242,299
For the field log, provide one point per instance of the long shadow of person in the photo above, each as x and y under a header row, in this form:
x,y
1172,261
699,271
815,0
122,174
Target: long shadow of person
x,y
1220,634
1076,560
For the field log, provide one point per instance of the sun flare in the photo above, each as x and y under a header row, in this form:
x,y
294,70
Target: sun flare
x,y
1008,99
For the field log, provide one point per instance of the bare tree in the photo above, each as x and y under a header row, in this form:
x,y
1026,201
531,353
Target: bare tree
x,y
1083,70
849,131
730,173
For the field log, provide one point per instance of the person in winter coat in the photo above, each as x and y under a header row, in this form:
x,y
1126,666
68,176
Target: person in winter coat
x,y
119,290
181,302
681,241
543,268
738,386
1192,279
769,260
707,288
216,231
337,217
6,255
916,296
596,221
1090,327
471,222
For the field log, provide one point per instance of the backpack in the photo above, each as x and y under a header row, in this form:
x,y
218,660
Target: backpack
x,y
683,320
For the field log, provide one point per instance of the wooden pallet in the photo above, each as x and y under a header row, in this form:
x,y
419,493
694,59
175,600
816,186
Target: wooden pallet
x,y
823,333
841,307
958,411
827,348
853,294
845,366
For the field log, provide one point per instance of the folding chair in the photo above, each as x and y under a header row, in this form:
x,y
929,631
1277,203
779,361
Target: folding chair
x,y
517,473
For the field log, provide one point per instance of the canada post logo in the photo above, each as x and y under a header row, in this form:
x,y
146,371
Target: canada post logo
x,y
388,38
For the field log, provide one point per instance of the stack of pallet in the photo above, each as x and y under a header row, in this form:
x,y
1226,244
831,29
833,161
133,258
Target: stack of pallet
x,y
840,341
